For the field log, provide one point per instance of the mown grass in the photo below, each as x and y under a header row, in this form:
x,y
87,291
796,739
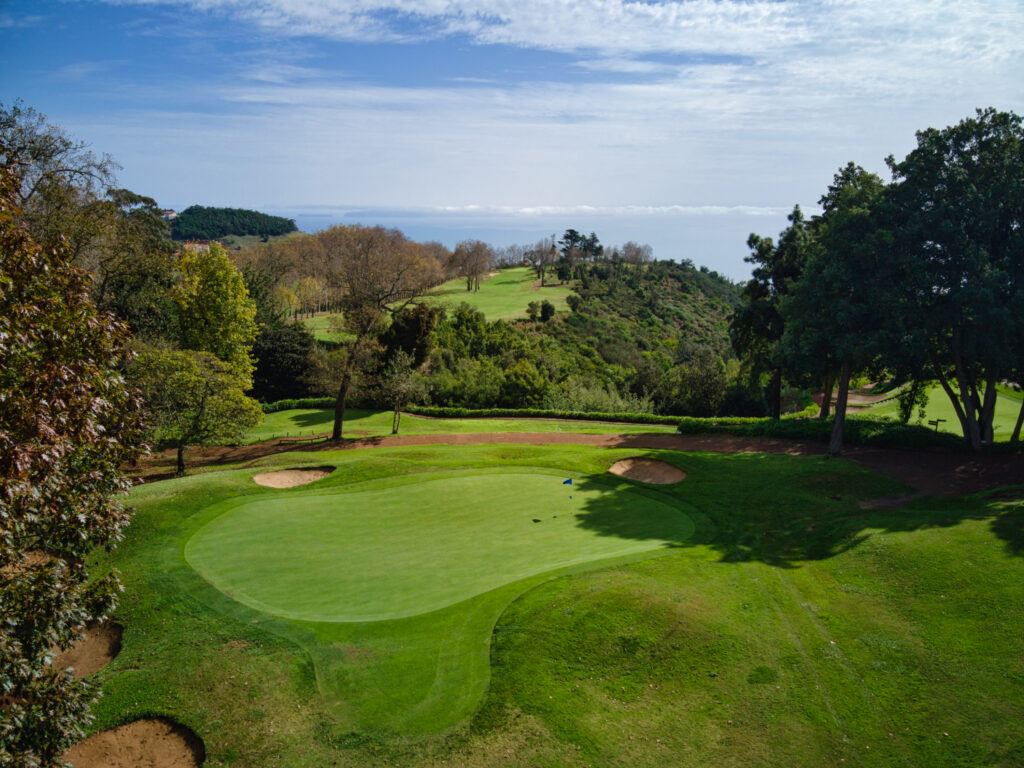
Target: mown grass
x,y
361,423
1008,404
787,627
503,296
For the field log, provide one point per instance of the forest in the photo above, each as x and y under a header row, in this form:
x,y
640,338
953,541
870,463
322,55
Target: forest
x,y
198,222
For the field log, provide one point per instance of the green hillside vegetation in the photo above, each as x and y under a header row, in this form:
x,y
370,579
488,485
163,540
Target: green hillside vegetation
x,y
752,615
198,222
502,296
1008,405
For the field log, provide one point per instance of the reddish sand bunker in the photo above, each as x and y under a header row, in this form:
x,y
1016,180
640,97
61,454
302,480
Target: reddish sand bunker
x,y
648,471
93,652
289,478
142,744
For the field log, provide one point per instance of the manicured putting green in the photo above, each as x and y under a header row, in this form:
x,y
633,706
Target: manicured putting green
x,y
414,547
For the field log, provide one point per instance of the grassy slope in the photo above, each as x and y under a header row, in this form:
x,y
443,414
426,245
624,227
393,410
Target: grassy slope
x,y
503,296
376,423
1008,405
790,628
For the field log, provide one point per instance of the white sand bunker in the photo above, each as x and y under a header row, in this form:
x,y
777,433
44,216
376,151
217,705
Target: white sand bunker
x,y
99,646
142,744
648,471
289,478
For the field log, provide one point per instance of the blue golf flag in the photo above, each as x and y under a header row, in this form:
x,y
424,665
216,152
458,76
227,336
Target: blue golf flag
x,y
567,482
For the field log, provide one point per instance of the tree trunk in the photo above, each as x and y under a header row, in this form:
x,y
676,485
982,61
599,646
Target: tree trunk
x,y
957,408
988,413
181,460
835,445
973,434
394,424
1020,423
339,405
775,394
826,397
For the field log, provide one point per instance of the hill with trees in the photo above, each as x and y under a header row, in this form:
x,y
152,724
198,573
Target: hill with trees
x,y
199,222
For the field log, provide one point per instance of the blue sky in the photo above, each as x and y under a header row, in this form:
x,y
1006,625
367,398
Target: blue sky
x,y
686,125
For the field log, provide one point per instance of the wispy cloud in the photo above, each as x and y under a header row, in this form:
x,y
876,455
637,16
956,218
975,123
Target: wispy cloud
x,y
10,21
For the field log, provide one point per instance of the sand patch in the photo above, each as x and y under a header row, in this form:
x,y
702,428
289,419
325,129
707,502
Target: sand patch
x,y
93,652
289,478
648,471
147,743
32,559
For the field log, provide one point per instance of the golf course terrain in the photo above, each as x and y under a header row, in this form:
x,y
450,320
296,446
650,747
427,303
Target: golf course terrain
x,y
504,604
1008,402
503,295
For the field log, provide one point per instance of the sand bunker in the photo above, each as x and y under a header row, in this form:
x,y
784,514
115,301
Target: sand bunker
x,y
93,652
142,744
289,478
648,471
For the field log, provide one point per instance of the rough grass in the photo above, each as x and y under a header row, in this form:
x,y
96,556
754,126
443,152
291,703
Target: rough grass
x,y
789,627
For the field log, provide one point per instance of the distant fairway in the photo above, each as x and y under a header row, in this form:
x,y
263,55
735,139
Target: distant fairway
x,y
939,407
504,296
414,547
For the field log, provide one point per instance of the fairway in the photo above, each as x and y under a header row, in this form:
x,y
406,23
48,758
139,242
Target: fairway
x,y
369,554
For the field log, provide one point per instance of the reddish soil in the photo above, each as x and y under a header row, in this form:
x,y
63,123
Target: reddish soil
x,y
93,652
141,744
933,472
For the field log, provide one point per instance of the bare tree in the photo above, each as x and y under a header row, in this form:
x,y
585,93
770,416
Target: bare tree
x,y
473,259
542,255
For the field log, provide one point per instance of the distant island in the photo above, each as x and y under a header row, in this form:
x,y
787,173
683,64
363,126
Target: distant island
x,y
198,222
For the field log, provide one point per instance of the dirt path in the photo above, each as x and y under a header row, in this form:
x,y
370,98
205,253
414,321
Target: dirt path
x,y
931,472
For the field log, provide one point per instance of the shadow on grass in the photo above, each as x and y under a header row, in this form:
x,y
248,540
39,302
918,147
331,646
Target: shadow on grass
x,y
807,509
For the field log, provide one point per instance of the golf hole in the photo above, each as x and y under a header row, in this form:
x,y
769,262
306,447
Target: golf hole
x,y
650,471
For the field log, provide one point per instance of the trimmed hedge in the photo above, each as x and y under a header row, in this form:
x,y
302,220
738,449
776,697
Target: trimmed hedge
x,y
860,430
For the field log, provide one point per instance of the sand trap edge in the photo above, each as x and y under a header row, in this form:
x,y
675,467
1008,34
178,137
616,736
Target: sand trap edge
x,y
651,471
291,478
99,646
178,746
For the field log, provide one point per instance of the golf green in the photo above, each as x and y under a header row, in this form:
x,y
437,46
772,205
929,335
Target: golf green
x,y
421,544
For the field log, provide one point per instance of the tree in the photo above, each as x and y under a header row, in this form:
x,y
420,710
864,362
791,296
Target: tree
x,y
842,308
67,423
59,180
378,271
700,383
215,313
399,384
547,311
757,326
541,256
473,259
192,398
959,196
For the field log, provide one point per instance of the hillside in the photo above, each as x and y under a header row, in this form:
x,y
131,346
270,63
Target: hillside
x,y
505,295
199,222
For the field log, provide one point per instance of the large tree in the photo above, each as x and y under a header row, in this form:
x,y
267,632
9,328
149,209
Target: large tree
x,y
378,272
67,423
843,309
960,198
215,313
192,398
757,326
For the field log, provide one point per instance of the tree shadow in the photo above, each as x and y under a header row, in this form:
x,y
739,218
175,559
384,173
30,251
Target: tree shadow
x,y
782,510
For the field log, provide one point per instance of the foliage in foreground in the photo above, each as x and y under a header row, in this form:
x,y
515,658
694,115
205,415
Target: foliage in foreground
x,y
67,423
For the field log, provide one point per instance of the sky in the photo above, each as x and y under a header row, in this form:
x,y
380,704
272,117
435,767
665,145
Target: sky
x,y
686,125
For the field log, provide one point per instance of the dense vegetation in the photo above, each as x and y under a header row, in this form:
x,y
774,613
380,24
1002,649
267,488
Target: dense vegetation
x,y
198,222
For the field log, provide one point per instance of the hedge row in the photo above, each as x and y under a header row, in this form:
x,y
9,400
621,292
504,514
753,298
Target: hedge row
x,y
860,430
